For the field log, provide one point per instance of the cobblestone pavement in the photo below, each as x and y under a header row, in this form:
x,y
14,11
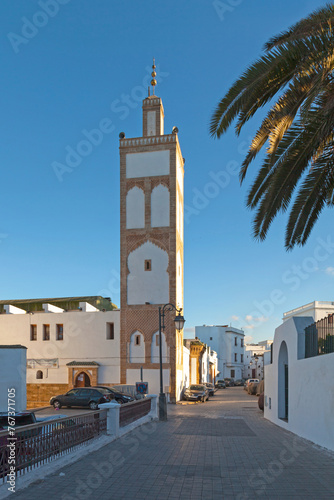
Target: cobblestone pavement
x,y
221,449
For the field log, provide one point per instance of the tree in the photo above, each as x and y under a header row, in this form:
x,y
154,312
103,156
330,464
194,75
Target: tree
x,y
298,130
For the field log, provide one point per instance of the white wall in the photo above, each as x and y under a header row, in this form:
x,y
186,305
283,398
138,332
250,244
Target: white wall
x,y
13,376
160,206
148,286
137,352
317,309
155,350
149,164
152,376
84,340
135,208
311,390
151,123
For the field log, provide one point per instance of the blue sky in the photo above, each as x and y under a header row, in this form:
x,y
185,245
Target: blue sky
x,y
69,67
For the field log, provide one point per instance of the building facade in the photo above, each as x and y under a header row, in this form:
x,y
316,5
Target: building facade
x,y
228,342
65,347
298,385
151,172
316,309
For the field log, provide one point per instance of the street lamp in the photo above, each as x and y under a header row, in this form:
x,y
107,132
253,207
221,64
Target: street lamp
x,y
179,324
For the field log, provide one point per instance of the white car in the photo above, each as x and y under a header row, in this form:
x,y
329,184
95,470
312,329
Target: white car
x,y
251,381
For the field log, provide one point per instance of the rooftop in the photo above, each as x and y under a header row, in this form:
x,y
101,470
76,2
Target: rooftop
x,y
67,303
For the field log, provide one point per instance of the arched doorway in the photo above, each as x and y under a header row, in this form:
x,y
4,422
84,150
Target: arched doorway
x,y
82,380
283,382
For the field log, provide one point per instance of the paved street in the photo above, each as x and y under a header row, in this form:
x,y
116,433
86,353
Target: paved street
x,y
221,449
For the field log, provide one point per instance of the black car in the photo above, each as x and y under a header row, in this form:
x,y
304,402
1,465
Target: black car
x,y
89,397
17,420
211,388
120,397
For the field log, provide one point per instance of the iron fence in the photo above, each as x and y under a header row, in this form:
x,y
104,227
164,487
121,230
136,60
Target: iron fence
x,y
40,443
319,337
133,411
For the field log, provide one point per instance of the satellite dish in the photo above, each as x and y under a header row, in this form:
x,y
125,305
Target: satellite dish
x,y
122,135
175,130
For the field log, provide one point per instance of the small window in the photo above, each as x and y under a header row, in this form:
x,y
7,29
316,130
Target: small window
x,y
210,338
59,332
235,357
235,340
46,332
137,340
157,340
242,342
33,332
148,265
232,373
39,374
242,358
110,331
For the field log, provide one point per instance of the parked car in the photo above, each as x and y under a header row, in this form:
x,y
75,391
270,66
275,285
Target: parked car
x,y
250,381
196,393
87,397
252,388
221,384
120,397
18,420
211,388
229,382
239,382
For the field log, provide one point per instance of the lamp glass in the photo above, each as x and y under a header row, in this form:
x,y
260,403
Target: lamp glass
x,y
179,322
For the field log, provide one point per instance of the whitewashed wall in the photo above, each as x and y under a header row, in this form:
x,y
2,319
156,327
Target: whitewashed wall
x,y
149,164
160,206
85,339
148,286
311,389
152,376
135,208
137,352
13,376
155,352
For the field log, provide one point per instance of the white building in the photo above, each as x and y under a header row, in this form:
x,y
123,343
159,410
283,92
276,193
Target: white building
x,y
65,348
299,382
256,356
317,310
228,342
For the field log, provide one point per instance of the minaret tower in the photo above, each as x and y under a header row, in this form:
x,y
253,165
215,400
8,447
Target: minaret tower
x,y
151,250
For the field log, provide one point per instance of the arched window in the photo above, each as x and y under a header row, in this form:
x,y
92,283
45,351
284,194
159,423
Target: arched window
x,y
39,374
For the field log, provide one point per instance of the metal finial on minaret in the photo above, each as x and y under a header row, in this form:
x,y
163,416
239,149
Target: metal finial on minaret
x,y
153,74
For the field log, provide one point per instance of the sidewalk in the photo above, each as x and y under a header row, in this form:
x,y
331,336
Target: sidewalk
x,y
221,449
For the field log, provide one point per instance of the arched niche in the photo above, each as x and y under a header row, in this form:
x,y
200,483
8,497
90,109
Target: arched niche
x,y
155,353
283,382
135,208
148,279
160,206
137,348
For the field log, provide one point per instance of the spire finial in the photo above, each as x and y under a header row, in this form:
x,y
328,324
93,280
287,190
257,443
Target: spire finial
x,y
153,74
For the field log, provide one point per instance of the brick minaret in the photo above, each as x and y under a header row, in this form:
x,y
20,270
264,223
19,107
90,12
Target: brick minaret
x,y
151,251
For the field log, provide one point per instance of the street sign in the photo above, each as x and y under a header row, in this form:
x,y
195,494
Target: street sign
x,y
142,387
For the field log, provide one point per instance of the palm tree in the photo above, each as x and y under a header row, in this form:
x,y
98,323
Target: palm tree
x,y
298,131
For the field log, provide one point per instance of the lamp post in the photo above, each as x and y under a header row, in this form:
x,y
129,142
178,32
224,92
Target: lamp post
x,y
179,323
